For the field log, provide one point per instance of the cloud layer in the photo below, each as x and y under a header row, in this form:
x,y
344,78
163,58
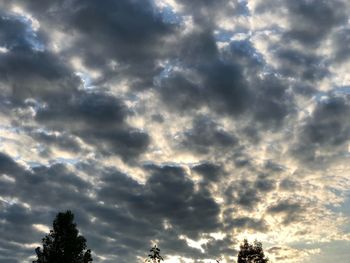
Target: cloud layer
x,y
190,124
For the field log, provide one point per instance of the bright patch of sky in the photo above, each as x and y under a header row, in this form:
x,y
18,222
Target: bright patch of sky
x,y
170,16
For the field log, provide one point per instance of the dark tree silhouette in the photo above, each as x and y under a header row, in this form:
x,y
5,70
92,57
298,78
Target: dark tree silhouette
x,y
63,244
251,253
155,256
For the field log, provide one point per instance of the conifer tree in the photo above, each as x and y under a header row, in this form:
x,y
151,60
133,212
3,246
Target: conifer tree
x,y
63,244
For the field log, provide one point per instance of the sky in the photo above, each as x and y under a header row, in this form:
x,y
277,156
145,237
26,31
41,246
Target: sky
x,y
191,124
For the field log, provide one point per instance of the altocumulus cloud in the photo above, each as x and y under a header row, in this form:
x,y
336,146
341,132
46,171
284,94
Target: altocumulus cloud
x,y
191,124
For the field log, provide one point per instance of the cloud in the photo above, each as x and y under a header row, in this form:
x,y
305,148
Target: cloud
x,y
8,166
308,67
61,140
190,124
39,80
128,33
308,23
205,134
322,133
96,117
249,223
211,172
290,209
290,254
243,194
128,209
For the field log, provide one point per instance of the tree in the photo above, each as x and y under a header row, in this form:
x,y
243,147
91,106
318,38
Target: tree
x,y
251,253
155,256
63,244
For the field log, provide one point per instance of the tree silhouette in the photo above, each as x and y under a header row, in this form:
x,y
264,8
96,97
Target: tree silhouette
x,y
63,244
155,256
251,253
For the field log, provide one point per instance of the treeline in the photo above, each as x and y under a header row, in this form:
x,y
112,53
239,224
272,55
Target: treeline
x,y
64,245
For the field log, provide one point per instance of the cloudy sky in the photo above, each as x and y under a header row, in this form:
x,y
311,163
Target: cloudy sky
x,y
192,124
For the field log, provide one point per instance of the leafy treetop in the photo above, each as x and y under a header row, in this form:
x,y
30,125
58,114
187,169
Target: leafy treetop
x,y
63,243
251,253
155,256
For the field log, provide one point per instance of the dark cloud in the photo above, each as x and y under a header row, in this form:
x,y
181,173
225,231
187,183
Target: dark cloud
x,y
243,195
227,86
85,109
27,71
302,65
340,40
63,141
31,74
304,89
93,117
131,33
49,185
242,161
32,204
248,223
173,244
323,128
7,252
8,165
41,80
288,184
273,102
177,93
205,13
18,217
205,78
197,47
192,211
165,207
309,22
323,132
312,21
99,119
228,83
246,194
42,186
217,248
96,118
291,210
158,118
271,166
206,134
264,183
14,32
211,172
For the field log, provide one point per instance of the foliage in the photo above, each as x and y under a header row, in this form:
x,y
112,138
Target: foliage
x,y
251,253
63,244
155,256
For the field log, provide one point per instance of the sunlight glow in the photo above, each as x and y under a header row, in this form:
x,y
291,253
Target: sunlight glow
x,y
3,50
20,11
41,228
194,243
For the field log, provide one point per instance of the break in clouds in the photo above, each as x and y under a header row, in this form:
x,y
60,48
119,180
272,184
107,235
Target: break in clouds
x,y
187,123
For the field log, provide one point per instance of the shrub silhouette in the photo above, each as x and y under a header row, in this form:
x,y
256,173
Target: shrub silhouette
x,y
63,244
251,253
155,256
